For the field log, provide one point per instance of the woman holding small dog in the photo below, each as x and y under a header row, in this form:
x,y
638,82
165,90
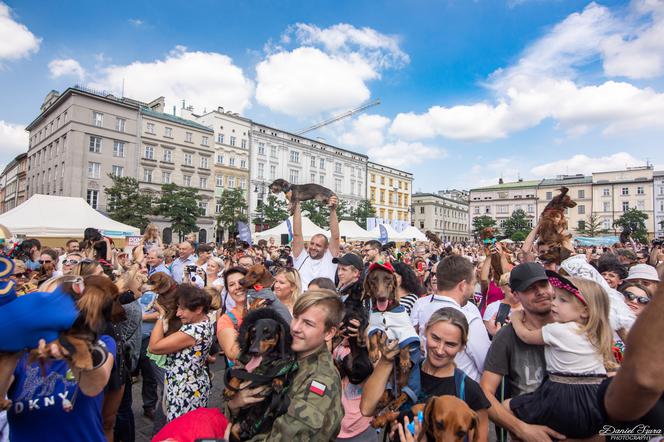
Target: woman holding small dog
x,y
446,335
230,321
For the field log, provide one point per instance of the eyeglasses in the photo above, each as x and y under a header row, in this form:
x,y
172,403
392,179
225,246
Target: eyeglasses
x,y
640,299
20,275
41,261
71,262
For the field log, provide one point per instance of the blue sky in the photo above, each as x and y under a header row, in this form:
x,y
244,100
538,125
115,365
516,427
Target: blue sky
x,y
470,90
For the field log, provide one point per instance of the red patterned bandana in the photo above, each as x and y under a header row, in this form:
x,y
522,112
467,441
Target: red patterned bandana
x,y
568,287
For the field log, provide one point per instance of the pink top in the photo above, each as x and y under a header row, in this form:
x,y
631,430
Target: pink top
x,y
353,423
493,294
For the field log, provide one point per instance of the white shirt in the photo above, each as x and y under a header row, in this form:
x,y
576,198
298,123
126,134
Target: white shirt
x,y
310,268
471,359
568,350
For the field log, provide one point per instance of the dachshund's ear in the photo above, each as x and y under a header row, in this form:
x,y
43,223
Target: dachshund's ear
x,y
429,420
282,340
475,427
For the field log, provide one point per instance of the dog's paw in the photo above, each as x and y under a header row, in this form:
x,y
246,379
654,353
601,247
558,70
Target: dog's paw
x,y
384,419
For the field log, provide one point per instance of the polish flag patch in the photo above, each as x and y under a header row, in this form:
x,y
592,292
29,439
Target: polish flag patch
x,y
317,388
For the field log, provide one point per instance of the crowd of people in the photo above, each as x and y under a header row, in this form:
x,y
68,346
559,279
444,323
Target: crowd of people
x,y
539,350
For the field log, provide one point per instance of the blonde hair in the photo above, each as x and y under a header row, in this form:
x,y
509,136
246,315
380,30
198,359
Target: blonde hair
x,y
326,299
597,328
452,316
151,227
293,277
504,279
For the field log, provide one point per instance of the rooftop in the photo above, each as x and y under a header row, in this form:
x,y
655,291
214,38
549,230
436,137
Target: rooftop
x,y
513,185
435,195
174,119
565,180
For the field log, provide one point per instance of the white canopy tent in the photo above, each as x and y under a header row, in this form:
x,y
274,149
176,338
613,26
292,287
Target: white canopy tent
x,y
309,229
413,233
392,235
353,232
61,217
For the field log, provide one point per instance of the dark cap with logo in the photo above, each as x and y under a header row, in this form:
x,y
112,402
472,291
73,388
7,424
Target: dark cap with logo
x,y
350,259
526,274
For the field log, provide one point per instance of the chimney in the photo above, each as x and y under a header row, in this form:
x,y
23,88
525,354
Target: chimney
x,y
521,180
500,181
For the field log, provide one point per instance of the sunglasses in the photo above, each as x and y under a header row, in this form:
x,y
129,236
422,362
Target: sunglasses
x,y
640,299
20,275
70,262
41,261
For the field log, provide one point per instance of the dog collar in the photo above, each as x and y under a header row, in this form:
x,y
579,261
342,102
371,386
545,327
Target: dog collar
x,y
258,287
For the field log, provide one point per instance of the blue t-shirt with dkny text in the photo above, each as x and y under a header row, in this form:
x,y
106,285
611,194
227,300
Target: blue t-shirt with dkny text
x,y
37,411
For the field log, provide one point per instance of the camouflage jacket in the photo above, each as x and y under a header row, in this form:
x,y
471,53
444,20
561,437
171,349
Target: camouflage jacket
x,y
315,410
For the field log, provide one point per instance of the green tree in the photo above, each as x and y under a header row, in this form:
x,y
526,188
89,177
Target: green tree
x,y
233,209
363,211
635,220
127,204
482,222
179,205
517,224
343,209
592,227
273,212
317,212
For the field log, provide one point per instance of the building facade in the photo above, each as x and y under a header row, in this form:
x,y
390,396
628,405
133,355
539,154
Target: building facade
x,y
501,200
389,191
13,182
617,191
278,154
658,191
580,190
447,217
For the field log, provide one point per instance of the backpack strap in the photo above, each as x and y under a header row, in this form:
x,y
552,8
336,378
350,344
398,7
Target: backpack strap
x,y
460,383
233,318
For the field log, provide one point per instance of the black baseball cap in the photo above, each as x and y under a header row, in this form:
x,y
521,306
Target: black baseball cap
x,y
350,259
526,274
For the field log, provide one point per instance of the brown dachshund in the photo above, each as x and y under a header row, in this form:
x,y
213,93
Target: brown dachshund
x,y
164,286
449,419
301,192
553,228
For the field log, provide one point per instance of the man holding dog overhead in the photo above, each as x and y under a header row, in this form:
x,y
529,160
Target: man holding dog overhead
x,y
315,410
316,261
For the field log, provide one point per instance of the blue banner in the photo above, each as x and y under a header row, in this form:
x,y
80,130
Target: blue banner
x,y
383,234
244,232
290,229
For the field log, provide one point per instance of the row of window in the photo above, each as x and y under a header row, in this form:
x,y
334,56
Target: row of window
x,y
49,128
92,197
398,199
150,128
47,153
503,209
400,184
446,212
315,162
232,141
98,120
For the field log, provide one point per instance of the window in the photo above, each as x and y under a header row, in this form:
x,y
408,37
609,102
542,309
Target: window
x,y
487,209
202,183
120,124
321,163
188,137
606,224
220,158
422,210
312,177
382,196
204,162
231,182
95,145
581,194
261,148
391,182
147,175
373,177
186,180
202,206
98,119
476,211
641,205
313,161
382,180
168,156
261,170
94,170
273,151
149,152
531,208
606,191
581,209
232,141
294,156
244,143
219,181
625,206
188,159
150,128
294,176
273,172
217,207
321,179
231,162
640,190
118,149
243,164
549,195
607,206
337,168
168,132
243,183
337,185
503,209
205,141
220,138
92,198
166,177
624,191
117,171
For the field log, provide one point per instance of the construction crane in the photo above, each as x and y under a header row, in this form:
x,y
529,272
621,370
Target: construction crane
x,y
336,118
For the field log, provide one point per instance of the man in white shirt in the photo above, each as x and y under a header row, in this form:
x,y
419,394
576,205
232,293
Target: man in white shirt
x,y
455,280
186,257
316,261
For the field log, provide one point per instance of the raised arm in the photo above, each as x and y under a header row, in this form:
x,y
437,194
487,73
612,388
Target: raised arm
x,y
527,246
484,274
533,337
334,227
298,239
375,385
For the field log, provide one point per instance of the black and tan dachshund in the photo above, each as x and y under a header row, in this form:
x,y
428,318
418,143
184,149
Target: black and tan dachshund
x,y
301,192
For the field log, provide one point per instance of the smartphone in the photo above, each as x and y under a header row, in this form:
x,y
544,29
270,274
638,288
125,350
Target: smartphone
x,y
503,312
420,266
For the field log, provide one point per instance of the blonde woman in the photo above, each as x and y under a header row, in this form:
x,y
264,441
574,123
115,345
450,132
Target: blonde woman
x,y
151,238
287,287
213,272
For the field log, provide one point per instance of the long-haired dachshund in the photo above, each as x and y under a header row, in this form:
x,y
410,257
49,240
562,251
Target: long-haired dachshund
x,y
258,284
164,286
266,359
356,365
301,192
553,228
449,419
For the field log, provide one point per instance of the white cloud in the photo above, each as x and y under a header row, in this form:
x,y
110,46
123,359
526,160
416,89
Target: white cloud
x,y
204,79
328,71
587,165
16,40
545,84
137,22
66,67
366,130
14,139
403,154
